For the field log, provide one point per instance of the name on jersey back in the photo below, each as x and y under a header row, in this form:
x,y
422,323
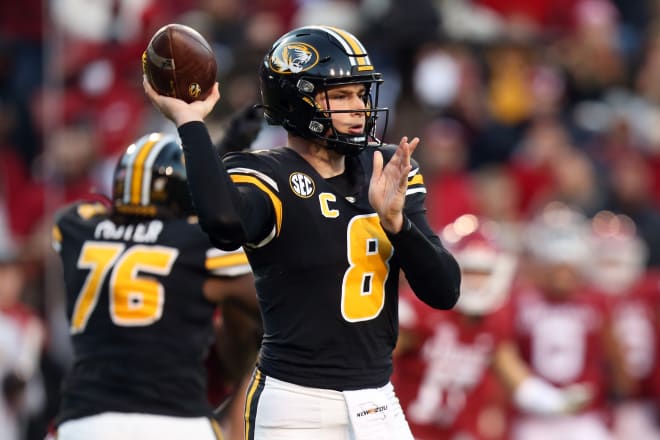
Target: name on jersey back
x,y
147,232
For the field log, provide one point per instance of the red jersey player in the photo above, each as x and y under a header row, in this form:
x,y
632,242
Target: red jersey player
x,y
618,269
455,369
562,327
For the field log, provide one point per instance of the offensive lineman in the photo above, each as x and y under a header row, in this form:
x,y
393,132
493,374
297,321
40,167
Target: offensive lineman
x,y
142,282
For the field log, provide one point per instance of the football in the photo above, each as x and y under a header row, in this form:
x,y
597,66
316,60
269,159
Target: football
x,y
179,62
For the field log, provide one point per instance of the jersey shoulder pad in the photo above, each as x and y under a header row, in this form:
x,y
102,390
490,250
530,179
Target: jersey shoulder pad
x,y
387,150
76,217
82,211
415,180
258,170
238,158
253,166
254,158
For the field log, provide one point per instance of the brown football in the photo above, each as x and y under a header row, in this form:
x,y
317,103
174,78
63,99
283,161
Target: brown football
x,y
179,62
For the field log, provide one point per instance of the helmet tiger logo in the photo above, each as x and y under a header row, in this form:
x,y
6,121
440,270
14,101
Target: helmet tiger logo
x,y
294,58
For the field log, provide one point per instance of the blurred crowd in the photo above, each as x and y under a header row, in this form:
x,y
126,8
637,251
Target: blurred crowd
x,y
519,105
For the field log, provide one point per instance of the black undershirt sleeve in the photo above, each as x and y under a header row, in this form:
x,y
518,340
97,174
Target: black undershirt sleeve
x,y
230,215
431,271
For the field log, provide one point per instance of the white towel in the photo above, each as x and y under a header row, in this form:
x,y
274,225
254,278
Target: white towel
x,y
368,411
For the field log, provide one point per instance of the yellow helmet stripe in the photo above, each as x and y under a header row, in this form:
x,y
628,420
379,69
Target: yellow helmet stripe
x,y
353,46
136,154
138,171
138,182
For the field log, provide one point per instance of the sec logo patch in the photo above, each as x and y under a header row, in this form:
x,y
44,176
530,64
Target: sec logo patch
x,y
302,185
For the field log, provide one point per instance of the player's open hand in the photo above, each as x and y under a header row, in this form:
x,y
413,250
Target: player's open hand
x,y
387,189
179,111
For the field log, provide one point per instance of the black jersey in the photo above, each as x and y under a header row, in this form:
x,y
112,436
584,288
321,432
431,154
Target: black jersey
x,y
139,322
326,276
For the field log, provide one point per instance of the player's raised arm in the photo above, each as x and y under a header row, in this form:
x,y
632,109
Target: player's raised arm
x,y
224,213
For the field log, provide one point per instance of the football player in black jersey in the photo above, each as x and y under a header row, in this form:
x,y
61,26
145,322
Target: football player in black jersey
x,y
142,282
327,223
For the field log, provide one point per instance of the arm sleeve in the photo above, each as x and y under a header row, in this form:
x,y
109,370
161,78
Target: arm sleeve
x,y
230,215
431,271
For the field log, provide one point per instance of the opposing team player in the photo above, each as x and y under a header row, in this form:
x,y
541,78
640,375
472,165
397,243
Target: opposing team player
x,y
142,282
327,222
618,269
563,328
457,372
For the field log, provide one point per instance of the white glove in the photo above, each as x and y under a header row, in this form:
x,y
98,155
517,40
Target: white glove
x,y
536,396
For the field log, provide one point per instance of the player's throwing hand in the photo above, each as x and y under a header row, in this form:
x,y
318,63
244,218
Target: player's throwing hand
x,y
179,111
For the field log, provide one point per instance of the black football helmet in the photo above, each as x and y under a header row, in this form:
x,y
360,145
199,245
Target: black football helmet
x,y
306,61
150,179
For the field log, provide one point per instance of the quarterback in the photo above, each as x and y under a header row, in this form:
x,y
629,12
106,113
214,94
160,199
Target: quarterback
x,y
328,222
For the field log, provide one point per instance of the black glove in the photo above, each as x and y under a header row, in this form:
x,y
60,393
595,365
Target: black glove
x,y
243,129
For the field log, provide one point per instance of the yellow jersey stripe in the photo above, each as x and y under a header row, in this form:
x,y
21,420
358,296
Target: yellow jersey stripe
x,y
220,261
275,200
56,234
416,180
